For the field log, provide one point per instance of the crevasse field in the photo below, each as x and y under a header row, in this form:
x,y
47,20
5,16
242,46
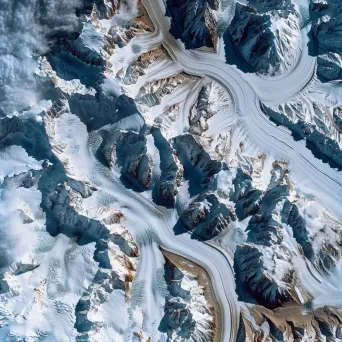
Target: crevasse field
x,y
171,170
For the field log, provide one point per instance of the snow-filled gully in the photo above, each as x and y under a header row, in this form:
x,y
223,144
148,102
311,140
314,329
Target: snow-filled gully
x,y
272,139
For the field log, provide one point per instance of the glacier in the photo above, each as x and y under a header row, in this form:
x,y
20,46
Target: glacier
x,y
170,170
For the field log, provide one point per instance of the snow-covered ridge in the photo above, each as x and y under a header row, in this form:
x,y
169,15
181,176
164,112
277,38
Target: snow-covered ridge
x,y
312,116
327,20
194,22
190,305
143,144
289,323
268,41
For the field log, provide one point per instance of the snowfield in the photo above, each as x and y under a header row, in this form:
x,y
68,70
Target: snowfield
x,y
162,188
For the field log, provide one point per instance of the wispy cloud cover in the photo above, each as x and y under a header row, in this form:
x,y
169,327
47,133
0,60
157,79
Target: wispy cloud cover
x,y
27,28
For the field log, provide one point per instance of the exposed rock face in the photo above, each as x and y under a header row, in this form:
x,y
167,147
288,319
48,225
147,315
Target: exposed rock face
x,y
206,217
323,253
132,157
289,324
75,249
246,197
267,36
165,120
134,21
67,87
152,93
194,22
264,264
137,68
208,213
171,176
259,281
212,98
117,275
256,261
313,122
327,21
188,315
193,155
117,257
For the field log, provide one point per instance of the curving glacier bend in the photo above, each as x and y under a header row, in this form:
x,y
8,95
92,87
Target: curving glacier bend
x,y
158,193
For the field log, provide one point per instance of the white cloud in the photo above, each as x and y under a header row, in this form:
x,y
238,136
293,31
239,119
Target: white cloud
x,y
27,28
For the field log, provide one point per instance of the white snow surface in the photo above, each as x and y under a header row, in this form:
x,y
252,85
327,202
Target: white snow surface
x,y
42,300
